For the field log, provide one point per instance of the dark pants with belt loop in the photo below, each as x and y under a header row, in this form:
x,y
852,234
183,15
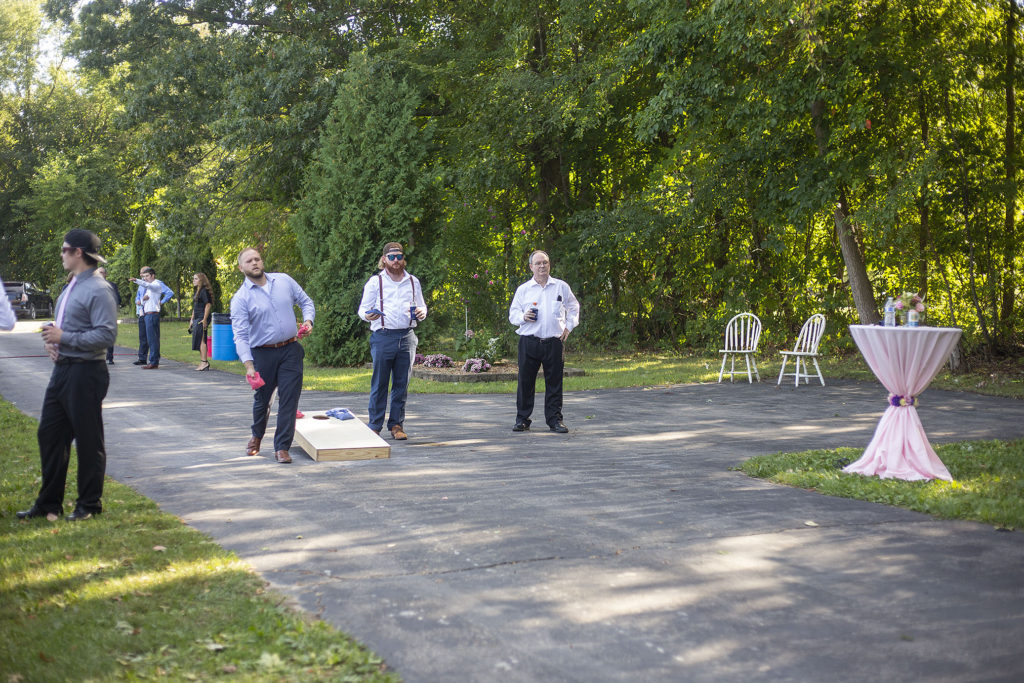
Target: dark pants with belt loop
x,y
533,353
281,369
153,337
73,411
143,342
392,352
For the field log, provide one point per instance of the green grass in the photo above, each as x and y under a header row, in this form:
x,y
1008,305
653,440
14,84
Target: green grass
x,y
135,594
987,486
603,370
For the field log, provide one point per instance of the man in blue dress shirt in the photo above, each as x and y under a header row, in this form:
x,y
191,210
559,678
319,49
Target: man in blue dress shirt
x,y
266,339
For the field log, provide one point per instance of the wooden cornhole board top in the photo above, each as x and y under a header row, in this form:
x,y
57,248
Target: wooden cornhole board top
x,y
334,439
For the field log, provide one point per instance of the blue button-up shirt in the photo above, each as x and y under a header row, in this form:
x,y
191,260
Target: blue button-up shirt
x,y
266,315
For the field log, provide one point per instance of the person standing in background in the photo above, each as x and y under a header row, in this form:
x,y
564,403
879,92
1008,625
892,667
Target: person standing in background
x,y
152,295
140,297
393,304
8,318
84,327
545,311
102,272
202,304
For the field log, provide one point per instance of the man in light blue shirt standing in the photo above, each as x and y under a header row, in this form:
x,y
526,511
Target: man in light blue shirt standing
x,y
266,339
149,299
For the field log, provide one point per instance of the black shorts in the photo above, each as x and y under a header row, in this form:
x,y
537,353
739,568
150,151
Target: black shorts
x,y
198,335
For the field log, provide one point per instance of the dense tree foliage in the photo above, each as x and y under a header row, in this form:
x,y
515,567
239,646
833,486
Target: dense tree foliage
x,y
366,187
680,161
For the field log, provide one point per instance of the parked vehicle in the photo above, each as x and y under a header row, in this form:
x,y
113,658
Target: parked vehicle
x,y
27,300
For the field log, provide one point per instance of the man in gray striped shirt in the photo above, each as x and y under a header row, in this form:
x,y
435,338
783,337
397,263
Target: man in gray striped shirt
x,y
77,341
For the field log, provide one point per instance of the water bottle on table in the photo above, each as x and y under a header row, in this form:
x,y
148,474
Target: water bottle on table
x,y
890,313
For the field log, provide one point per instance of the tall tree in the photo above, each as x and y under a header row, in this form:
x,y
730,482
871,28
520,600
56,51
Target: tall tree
x,y
368,185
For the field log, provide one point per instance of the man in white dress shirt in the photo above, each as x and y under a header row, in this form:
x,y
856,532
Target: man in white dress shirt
x,y
545,311
392,303
151,296
267,342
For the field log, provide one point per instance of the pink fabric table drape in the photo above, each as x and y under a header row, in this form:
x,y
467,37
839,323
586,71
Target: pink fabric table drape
x,y
905,360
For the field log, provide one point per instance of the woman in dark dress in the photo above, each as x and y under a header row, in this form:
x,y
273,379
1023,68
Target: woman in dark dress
x,y
202,304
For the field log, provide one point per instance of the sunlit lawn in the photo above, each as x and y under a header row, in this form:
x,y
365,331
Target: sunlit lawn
x,y
134,594
987,486
603,370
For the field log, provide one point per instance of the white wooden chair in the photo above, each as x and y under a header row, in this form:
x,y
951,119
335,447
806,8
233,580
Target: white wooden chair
x,y
806,347
741,336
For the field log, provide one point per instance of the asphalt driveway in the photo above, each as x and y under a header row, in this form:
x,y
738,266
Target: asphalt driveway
x,y
627,550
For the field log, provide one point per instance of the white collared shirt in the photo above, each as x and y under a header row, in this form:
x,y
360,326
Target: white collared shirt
x,y
557,308
396,300
153,289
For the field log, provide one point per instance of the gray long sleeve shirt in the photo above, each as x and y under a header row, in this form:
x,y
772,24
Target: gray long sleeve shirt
x,y
90,318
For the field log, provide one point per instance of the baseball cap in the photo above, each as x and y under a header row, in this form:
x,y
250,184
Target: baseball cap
x,y
87,241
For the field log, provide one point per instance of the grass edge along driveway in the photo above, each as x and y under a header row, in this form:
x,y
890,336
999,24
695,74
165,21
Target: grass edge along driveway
x,y
987,486
136,594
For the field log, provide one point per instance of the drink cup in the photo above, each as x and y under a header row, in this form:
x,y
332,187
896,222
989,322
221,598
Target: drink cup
x,y
536,312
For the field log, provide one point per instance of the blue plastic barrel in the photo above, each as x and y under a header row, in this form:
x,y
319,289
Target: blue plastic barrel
x,y
223,338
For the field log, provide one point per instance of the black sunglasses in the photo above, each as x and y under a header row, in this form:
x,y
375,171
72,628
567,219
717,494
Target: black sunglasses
x,y
396,257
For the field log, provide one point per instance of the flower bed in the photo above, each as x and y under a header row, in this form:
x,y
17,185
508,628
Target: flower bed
x,y
501,371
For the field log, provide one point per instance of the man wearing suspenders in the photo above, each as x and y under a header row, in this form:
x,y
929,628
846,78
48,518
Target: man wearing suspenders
x,y
392,303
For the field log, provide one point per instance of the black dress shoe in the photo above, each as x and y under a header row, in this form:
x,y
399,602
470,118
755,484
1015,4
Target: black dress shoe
x,y
521,426
140,362
31,513
80,515
559,428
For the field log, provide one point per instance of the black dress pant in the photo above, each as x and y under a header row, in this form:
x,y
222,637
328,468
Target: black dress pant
x,y
533,353
73,411
143,342
281,369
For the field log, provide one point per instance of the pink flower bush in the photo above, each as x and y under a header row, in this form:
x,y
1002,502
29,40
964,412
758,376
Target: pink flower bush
x,y
476,365
437,360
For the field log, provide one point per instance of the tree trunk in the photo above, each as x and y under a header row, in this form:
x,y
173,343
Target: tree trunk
x,y
1010,165
860,285
923,201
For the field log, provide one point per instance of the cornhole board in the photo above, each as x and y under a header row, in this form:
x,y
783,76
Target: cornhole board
x,y
334,439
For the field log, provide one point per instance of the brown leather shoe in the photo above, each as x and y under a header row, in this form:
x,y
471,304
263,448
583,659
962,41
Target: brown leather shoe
x,y
150,366
282,456
254,446
398,434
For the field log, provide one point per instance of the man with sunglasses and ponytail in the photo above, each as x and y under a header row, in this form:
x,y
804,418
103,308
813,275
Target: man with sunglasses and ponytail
x,y
393,304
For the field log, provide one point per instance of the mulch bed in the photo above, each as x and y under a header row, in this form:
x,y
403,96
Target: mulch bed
x,y
499,372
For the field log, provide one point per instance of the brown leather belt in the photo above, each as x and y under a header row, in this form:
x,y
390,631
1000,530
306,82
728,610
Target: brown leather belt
x,y
286,342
